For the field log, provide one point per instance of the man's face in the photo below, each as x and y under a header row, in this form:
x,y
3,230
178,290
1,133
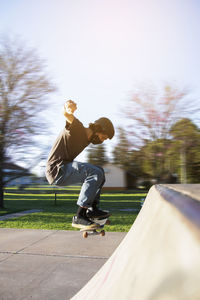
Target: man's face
x,y
102,136
98,138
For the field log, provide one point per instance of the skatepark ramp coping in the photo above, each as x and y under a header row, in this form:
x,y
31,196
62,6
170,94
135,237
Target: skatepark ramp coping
x,y
159,259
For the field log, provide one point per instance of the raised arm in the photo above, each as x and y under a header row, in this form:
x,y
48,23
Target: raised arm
x,y
69,109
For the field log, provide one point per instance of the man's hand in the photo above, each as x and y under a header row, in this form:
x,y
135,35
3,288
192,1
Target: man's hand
x,y
69,109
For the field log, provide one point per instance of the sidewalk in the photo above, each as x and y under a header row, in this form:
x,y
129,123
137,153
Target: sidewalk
x,y
50,264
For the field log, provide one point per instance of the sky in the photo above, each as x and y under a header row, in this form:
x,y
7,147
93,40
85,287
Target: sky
x,y
97,51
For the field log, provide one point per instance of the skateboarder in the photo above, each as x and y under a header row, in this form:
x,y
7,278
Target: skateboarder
x,y
63,170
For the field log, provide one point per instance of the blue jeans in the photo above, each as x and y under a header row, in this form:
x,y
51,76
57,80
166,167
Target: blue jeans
x,y
91,176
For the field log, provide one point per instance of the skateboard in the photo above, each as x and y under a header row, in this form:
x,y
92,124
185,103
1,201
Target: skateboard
x,y
97,231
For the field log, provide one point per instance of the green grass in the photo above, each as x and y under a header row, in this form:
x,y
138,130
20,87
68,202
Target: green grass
x,y
59,216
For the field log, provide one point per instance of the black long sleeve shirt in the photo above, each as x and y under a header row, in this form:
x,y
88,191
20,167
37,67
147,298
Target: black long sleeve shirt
x,y
69,144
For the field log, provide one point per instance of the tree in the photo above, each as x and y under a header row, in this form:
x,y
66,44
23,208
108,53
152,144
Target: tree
x,y
97,155
121,152
24,90
186,138
155,159
129,160
152,111
164,159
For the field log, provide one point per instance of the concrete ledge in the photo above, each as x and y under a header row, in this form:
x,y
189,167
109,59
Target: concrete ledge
x,y
160,256
186,199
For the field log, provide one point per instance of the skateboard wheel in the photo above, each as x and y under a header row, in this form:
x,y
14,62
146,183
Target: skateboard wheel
x,y
85,234
108,222
102,233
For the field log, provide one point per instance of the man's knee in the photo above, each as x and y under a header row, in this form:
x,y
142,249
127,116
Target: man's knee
x,y
101,174
96,172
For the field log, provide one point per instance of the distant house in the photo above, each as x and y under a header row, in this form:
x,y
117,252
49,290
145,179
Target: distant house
x,y
115,177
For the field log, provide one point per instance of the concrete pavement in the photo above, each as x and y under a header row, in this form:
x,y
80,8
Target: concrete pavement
x,y
48,264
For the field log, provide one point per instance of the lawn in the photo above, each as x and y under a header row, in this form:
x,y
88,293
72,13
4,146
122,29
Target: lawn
x,y
123,205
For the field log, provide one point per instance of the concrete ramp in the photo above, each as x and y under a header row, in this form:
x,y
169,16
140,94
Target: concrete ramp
x,y
160,256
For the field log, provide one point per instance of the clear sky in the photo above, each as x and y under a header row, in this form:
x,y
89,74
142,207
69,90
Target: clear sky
x,y
98,50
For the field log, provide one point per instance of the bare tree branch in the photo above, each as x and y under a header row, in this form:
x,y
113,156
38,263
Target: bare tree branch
x,y
24,94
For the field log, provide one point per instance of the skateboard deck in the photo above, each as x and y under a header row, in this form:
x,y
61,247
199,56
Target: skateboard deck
x,y
97,231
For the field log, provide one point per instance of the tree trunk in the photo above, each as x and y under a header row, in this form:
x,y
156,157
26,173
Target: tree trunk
x,y
1,173
1,197
183,166
1,186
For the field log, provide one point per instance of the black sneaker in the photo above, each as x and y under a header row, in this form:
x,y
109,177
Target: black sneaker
x,y
97,213
84,223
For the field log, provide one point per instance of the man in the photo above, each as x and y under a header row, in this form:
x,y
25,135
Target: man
x,y
63,170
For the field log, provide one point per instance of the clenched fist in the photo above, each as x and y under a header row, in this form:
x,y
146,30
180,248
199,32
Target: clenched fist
x,y
70,107
68,110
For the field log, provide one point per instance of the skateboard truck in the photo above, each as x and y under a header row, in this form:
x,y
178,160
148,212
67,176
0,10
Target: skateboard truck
x,y
97,231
